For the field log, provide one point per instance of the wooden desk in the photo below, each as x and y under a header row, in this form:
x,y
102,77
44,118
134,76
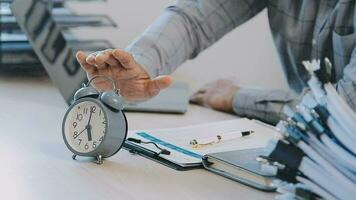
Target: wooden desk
x,y
35,163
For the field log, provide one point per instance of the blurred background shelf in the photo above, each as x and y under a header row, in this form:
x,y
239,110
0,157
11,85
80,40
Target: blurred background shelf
x,y
17,56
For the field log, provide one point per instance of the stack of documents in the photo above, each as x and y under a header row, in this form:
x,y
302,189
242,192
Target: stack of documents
x,y
316,157
17,54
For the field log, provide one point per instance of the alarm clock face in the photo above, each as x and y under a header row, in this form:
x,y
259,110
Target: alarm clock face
x,y
85,126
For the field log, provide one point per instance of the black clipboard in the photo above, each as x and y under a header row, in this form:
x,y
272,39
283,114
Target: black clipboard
x,y
136,149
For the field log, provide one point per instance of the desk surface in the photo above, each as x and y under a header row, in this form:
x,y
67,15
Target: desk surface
x,y
35,163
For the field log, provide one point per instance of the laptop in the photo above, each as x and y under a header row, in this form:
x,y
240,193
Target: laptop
x,y
174,99
57,55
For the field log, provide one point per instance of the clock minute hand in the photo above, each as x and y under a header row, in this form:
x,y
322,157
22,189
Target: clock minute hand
x,y
91,113
81,132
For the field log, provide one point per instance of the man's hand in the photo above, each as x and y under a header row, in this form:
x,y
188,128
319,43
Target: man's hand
x,y
217,95
133,81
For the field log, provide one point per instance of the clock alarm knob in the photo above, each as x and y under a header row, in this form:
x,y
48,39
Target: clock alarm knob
x,y
113,100
86,91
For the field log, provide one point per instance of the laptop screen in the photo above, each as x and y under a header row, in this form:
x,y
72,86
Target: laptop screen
x,y
48,39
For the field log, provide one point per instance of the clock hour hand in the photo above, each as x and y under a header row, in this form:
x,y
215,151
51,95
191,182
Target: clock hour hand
x,y
89,133
88,126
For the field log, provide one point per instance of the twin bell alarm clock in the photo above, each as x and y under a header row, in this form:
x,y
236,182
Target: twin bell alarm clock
x,y
95,124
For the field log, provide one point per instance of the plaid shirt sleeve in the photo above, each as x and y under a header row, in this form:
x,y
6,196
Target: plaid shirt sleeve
x,y
267,104
347,85
264,104
187,28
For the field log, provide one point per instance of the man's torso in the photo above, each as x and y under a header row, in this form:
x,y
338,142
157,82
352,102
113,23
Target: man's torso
x,y
312,29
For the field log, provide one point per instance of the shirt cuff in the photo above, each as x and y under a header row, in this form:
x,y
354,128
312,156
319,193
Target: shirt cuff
x,y
242,99
147,63
263,104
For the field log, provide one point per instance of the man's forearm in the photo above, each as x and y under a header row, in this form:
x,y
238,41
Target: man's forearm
x,y
187,28
180,33
156,48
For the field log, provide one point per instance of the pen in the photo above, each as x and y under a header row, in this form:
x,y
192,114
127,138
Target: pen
x,y
197,143
234,134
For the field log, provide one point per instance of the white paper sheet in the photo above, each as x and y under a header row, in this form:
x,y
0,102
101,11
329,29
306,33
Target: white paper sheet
x,y
181,137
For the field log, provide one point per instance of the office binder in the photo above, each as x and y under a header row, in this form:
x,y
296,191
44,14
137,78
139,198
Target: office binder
x,y
185,154
172,148
152,155
241,166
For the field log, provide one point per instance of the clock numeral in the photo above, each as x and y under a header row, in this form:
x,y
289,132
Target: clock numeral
x,y
99,112
94,144
104,122
92,109
75,135
75,124
79,117
101,139
80,141
85,111
86,146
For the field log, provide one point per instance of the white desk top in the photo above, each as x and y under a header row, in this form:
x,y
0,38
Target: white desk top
x,y
35,164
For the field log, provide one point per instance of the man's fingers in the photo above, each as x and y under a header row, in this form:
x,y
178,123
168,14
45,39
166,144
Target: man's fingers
x,y
102,58
206,87
158,84
81,57
102,65
91,58
125,58
112,61
161,82
197,98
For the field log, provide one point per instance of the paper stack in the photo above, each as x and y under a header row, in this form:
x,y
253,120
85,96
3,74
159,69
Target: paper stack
x,y
316,157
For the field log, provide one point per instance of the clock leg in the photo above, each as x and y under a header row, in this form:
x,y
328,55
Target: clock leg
x,y
99,160
74,157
